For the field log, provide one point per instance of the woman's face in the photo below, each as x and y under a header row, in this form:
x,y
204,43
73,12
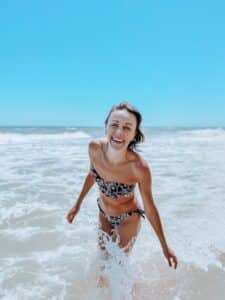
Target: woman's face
x,y
121,128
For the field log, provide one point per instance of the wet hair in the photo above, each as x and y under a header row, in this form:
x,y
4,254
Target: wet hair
x,y
139,137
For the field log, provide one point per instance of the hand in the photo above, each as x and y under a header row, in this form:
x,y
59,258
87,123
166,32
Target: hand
x,y
170,256
72,213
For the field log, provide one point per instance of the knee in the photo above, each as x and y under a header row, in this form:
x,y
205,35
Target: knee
x,y
128,245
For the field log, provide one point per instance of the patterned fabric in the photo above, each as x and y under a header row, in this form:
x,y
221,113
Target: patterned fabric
x,y
117,220
113,189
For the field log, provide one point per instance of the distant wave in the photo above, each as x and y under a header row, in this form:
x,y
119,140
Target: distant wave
x,y
8,138
71,128
204,134
206,131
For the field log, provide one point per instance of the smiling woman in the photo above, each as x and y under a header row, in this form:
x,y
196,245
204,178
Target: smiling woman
x,y
117,168
129,125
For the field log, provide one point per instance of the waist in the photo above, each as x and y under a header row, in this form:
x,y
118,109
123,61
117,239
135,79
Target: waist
x,y
118,206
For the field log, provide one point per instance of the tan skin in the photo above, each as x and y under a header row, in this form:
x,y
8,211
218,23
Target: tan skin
x,y
115,162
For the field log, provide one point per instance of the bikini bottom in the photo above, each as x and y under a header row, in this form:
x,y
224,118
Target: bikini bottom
x,y
117,220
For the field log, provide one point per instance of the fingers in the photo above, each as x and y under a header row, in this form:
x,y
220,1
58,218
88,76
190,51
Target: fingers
x,y
70,218
71,214
174,260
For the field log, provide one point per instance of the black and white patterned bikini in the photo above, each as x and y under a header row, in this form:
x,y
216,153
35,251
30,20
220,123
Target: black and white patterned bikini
x,y
115,190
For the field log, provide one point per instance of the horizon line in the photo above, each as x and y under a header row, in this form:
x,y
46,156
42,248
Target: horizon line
x,y
98,126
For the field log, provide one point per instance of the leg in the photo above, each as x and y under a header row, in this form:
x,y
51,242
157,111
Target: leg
x,y
128,231
105,228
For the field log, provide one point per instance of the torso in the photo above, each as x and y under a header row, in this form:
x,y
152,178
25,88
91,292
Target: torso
x,y
124,173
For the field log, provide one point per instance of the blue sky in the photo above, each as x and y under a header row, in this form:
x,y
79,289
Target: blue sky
x,y
67,62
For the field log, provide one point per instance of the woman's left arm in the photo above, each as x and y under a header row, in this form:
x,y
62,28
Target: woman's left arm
x,y
151,211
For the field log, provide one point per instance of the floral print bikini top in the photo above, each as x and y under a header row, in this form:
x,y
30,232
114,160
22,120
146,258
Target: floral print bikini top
x,y
113,189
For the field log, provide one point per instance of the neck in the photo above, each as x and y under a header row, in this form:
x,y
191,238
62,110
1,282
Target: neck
x,y
115,156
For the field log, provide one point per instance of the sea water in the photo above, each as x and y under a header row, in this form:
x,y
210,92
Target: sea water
x,y
42,256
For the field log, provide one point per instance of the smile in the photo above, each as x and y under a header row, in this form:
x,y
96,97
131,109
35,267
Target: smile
x,y
117,141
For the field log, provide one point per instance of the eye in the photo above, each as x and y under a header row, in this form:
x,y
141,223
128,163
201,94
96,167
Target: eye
x,y
114,125
127,128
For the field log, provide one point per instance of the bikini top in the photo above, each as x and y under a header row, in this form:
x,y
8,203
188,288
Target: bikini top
x,y
113,189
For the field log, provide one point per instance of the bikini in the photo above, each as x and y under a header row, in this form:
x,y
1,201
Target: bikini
x,y
115,190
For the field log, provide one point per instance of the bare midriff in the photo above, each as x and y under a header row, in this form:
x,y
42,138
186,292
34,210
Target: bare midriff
x,y
115,207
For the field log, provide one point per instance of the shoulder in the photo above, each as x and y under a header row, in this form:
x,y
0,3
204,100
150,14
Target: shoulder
x,y
141,169
94,146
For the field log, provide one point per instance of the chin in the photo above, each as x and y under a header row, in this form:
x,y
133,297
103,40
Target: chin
x,y
117,146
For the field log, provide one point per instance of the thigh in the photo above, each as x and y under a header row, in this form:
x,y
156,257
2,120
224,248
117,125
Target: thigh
x,y
128,231
105,230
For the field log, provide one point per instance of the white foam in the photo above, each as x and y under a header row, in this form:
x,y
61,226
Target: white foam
x,y
39,184
14,138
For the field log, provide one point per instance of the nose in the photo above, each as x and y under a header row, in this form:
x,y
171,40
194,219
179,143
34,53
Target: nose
x,y
119,131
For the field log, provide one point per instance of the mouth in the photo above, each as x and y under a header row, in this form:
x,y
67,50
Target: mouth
x,y
117,141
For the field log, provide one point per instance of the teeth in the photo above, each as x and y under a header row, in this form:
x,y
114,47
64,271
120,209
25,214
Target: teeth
x,y
118,141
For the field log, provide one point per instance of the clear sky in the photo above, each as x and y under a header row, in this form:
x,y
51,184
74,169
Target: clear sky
x,y
67,62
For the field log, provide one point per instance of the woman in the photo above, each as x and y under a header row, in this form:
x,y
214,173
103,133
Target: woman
x,y
117,167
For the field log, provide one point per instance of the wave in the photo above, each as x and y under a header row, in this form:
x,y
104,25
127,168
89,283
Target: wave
x,y
206,131
11,138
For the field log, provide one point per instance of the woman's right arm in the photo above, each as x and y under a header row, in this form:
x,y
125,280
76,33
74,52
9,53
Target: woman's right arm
x,y
88,183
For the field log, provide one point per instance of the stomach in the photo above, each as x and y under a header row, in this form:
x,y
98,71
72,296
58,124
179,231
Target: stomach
x,y
119,205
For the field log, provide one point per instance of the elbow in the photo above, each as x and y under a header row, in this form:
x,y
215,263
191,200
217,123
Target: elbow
x,y
150,210
90,177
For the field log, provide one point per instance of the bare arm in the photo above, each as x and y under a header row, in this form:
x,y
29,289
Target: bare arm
x,y
145,186
89,180
88,183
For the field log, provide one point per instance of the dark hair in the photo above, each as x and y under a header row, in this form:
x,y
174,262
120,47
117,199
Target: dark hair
x,y
139,137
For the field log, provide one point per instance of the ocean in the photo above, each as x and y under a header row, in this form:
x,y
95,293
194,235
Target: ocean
x,y
42,256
